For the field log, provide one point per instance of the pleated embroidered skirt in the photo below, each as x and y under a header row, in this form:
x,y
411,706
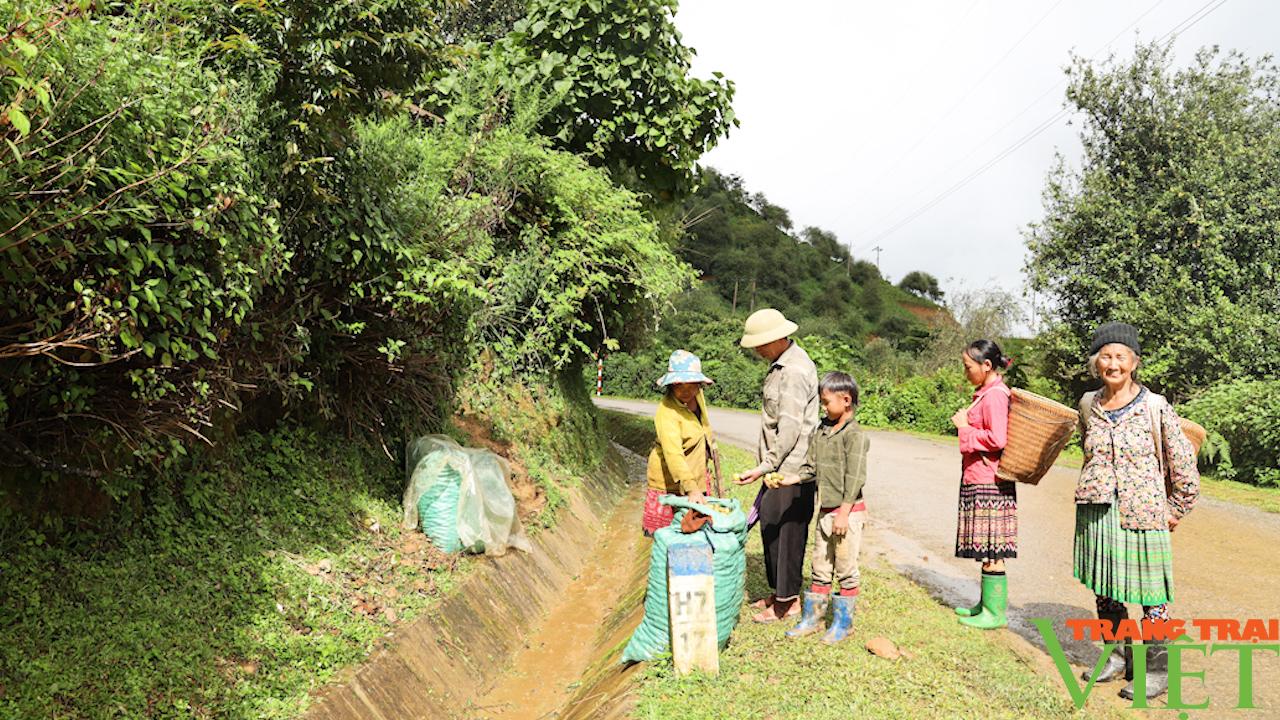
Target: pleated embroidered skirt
x,y
987,521
1132,566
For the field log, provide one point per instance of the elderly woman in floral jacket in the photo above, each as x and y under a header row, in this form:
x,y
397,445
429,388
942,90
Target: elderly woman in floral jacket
x,y
1138,481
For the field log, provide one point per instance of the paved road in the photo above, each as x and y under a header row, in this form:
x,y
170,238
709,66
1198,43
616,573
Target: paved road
x,y
1225,555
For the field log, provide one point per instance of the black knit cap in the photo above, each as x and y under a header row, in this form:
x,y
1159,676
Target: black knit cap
x,y
1115,332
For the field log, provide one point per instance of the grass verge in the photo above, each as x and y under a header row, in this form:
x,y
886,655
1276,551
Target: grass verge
x,y
948,671
274,564
254,576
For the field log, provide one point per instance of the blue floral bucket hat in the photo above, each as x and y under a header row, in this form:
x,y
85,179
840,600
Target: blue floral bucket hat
x,y
684,367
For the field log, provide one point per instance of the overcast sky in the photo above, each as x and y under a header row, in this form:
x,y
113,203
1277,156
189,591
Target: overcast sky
x,y
855,115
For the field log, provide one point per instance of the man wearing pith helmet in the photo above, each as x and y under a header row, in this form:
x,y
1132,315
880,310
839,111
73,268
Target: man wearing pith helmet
x,y
789,413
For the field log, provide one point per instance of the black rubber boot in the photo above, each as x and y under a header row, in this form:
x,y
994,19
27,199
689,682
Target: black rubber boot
x,y
1157,672
1120,663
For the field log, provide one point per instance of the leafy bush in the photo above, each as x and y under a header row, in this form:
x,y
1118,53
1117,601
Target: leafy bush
x,y
1243,423
135,237
924,403
148,284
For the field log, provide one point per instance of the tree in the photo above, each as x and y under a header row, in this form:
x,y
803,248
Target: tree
x,y
182,241
775,215
865,272
922,284
1172,222
984,313
826,243
627,99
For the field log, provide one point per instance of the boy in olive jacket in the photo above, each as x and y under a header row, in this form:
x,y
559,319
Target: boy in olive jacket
x,y
837,458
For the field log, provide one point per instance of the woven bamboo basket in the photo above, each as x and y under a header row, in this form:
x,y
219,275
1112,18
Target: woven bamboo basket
x,y
1039,429
1194,432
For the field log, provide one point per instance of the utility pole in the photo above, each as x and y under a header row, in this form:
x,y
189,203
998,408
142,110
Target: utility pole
x,y
735,296
877,250
753,294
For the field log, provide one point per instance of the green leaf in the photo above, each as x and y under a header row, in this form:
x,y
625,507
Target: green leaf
x,y
25,47
19,120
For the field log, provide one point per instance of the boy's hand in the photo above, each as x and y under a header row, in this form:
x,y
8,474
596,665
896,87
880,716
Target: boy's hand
x,y
747,477
841,524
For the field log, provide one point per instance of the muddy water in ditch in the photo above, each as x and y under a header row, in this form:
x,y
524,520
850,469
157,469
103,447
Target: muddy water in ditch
x,y
546,675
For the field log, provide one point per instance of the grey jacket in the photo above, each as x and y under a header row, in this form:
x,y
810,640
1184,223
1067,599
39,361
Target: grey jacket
x,y
789,414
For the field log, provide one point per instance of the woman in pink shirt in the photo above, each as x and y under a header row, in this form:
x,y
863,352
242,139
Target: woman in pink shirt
x,y
987,525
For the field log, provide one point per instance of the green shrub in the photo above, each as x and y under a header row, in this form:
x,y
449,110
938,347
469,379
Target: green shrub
x,y
162,286
135,237
1242,418
924,403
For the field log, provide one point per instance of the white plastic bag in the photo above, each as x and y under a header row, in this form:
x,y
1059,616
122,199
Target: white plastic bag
x,y
486,519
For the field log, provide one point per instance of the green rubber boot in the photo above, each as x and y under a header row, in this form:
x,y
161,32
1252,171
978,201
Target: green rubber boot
x,y
995,601
971,611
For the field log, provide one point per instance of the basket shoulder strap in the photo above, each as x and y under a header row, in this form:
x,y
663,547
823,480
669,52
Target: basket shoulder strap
x,y
1155,406
1086,409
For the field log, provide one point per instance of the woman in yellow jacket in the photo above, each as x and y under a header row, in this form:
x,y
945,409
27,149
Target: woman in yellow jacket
x,y
684,444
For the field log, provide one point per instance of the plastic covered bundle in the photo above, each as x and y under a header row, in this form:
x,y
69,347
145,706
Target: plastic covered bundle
x,y
726,534
438,509
459,497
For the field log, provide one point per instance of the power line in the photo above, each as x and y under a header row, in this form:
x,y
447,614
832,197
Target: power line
x,y
928,133
904,88
1189,22
1054,88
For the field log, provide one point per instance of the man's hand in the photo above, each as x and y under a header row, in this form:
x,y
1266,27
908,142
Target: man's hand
x,y
789,480
747,478
840,525
961,418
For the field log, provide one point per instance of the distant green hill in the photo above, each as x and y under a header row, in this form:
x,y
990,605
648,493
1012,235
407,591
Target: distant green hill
x,y
744,248
748,258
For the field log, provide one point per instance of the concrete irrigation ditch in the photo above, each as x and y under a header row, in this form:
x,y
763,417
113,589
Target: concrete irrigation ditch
x,y
528,635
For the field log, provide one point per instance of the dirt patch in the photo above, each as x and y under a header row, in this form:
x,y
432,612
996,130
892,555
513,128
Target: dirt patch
x,y
531,499
928,315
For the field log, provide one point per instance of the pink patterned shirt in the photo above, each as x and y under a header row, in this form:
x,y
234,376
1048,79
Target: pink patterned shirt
x,y
982,442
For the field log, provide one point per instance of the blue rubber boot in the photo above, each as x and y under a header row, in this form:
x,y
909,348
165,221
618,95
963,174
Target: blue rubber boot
x,y
841,618
815,610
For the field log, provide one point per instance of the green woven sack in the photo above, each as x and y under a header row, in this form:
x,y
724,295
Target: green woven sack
x,y
726,534
438,510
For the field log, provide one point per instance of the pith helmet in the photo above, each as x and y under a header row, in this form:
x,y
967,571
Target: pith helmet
x,y
765,326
